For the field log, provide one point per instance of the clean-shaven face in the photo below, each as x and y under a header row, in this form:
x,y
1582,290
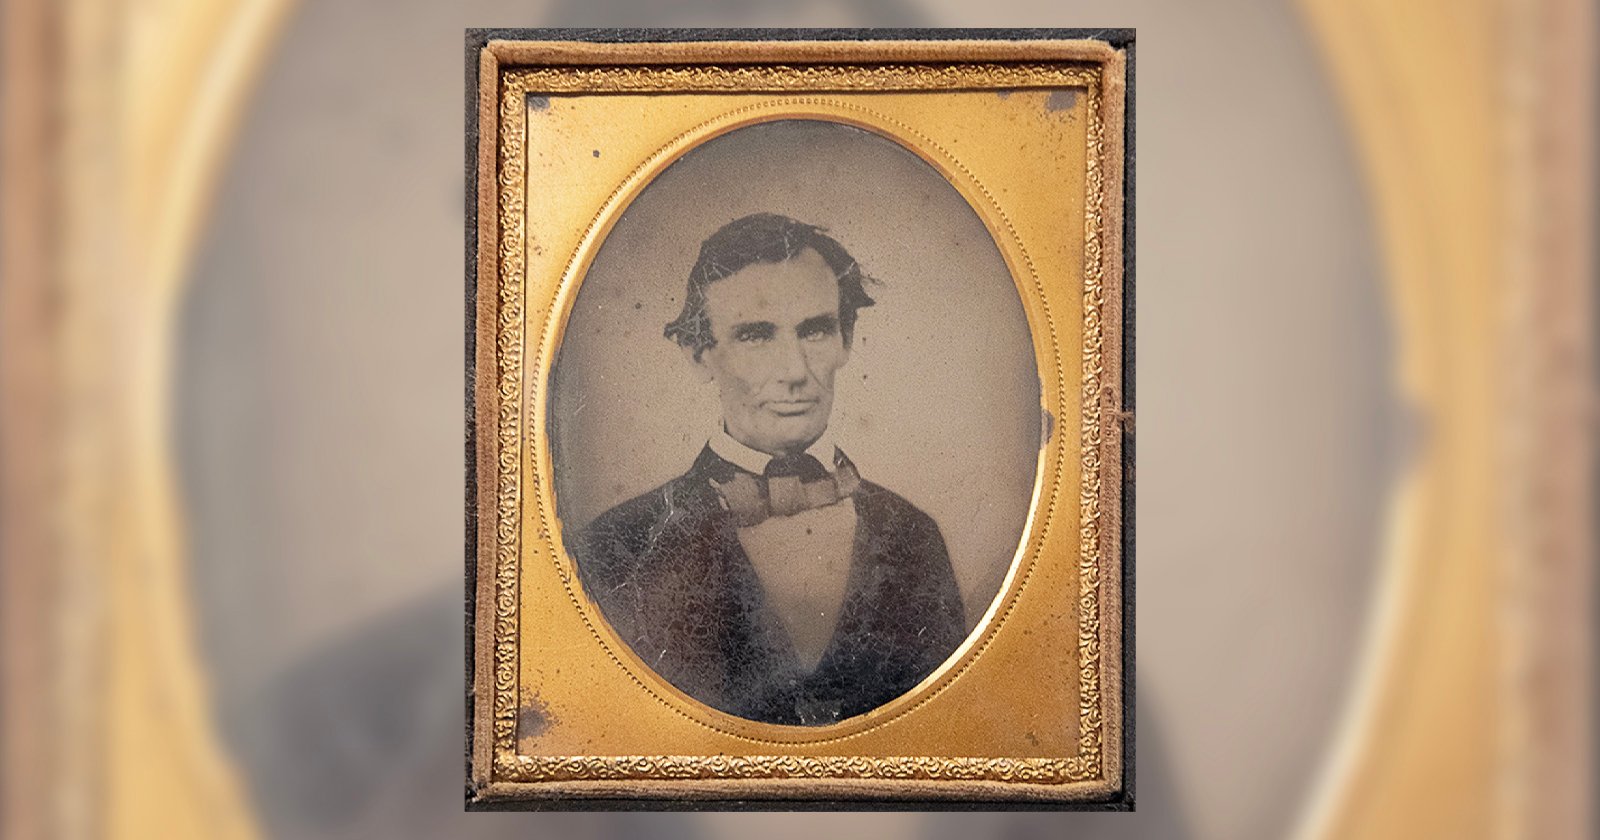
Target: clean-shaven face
x,y
778,346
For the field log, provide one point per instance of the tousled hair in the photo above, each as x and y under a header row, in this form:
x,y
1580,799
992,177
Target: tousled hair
x,y
763,238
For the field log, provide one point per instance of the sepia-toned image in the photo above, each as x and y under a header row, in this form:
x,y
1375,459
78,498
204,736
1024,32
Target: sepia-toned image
x,y
795,422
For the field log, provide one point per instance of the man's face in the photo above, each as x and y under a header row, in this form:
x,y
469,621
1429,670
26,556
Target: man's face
x,y
778,345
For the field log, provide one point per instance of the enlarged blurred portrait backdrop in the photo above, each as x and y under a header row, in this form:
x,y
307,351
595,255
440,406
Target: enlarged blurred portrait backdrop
x,y
321,471
291,599
796,422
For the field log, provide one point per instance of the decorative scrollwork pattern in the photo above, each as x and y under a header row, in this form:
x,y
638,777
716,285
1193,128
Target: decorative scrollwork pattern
x,y
526,768
516,84
1091,728
781,78
508,353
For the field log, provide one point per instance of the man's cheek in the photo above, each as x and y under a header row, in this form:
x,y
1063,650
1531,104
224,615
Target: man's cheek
x,y
748,372
832,368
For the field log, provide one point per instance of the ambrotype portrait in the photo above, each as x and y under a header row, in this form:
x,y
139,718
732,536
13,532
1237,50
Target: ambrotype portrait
x,y
785,575
796,459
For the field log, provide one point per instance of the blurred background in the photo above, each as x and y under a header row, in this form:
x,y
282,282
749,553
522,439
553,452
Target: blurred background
x,y
232,419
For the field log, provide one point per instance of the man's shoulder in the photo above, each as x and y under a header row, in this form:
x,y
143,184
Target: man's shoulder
x,y
639,510
885,509
630,527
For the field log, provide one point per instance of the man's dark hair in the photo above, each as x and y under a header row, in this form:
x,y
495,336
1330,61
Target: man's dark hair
x,y
765,238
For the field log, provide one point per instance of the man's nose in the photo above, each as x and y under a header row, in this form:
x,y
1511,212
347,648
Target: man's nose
x,y
792,368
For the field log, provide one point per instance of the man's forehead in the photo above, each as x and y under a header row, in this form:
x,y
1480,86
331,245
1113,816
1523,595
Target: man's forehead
x,y
800,287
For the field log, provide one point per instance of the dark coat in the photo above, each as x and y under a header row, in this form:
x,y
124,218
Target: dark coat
x,y
668,572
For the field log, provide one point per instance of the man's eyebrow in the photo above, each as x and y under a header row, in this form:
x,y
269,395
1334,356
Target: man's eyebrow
x,y
755,329
829,321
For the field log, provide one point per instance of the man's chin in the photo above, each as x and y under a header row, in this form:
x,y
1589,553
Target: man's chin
x,y
792,434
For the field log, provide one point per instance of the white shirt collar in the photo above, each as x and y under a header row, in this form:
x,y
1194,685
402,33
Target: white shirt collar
x,y
755,461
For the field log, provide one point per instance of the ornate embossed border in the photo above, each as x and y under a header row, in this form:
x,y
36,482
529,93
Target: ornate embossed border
x,y
498,770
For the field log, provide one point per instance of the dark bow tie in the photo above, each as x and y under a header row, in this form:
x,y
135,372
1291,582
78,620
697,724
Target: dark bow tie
x,y
791,484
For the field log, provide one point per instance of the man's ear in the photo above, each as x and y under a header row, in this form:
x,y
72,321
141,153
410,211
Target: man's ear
x,y
697,361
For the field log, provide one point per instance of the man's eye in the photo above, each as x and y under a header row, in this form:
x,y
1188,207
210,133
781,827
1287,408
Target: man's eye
x,y
752,335
816,332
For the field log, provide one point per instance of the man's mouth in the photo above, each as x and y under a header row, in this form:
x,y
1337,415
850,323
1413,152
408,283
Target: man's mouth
x,y
790,408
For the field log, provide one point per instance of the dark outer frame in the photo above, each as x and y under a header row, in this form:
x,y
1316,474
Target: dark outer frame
x,y
1123,39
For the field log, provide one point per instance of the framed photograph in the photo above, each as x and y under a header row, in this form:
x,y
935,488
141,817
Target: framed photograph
x,y
800,418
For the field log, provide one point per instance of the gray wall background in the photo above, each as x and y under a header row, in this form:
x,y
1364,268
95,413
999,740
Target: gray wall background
x,y
939,401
